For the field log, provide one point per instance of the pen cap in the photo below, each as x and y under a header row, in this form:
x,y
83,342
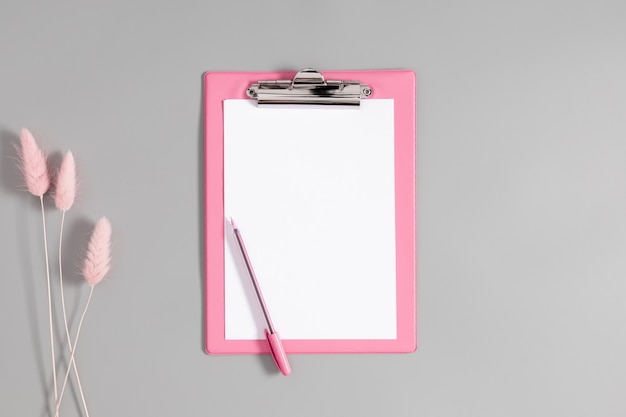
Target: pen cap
x,y
278,353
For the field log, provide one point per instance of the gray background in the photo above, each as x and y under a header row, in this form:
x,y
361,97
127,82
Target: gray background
x,y
521,203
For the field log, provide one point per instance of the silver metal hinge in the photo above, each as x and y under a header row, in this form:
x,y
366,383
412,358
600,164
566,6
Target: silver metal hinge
x,y
309,87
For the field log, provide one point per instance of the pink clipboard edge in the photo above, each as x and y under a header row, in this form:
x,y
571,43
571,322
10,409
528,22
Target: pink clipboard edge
x,y
397,84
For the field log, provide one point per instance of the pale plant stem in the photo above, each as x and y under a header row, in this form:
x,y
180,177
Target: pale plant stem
x,y
67,331
80,324
45,245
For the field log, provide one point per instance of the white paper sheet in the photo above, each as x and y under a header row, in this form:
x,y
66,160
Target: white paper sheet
x,y
312,191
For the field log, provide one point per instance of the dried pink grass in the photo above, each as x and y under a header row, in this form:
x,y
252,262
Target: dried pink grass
x,y
34,167
96,265
65,189
98,257
64,196
33,164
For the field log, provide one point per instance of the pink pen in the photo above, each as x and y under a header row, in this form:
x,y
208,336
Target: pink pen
x,y
276,346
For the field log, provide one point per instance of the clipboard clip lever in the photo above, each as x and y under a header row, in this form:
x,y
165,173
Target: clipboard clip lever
x,y
309,87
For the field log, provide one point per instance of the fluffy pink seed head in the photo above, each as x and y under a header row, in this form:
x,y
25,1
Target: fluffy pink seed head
x,y
98,258
65,190
33,164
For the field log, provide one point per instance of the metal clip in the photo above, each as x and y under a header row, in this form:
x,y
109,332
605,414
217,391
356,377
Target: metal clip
x,y
309,87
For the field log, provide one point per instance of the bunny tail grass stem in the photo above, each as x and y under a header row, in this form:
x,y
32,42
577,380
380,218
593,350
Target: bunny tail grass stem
x,y
45,245
67,331
80,324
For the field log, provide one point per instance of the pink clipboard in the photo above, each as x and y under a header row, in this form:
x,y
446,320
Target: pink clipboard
x,y
398,85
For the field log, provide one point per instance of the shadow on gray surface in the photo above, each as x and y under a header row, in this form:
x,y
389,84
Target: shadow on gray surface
x,y
13,183
201,208
11,176
269,367
54,160
75,240
31,283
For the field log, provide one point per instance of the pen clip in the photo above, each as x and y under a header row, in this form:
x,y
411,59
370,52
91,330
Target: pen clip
x,y
278,352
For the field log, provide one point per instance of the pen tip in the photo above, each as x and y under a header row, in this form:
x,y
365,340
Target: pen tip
x,y
232,222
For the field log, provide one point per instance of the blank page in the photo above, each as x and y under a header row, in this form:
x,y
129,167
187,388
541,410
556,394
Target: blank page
x,y
312,191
